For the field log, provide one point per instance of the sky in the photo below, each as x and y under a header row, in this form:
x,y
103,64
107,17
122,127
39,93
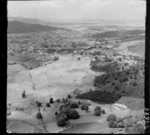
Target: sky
x,y
126,10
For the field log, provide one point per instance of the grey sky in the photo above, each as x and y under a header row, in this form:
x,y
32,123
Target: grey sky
x,y
131,10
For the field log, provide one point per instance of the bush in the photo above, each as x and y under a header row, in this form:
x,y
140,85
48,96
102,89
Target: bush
x,y
119,119
63,107
69,96
79,103
120,125
97,112
39,115
56,113
82,107
39,104
58,100
56,58
114,124
97,108
110,125
134,84
111,117
61,122
47,104
62,114
86,108
24,94
103,112
74,105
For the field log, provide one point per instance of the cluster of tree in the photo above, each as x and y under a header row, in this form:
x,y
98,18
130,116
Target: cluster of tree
x,y
124,76
115,122
84,107
108,67
130,125
100,96
98,111
65,113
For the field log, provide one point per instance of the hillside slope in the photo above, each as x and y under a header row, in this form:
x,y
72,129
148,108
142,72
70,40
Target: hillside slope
x,y
20,27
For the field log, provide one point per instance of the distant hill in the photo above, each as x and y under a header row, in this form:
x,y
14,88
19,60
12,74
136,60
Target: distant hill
x,y
114,34
20,27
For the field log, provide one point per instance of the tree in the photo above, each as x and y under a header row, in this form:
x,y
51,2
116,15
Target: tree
x,y
119,119
111,117
86,108
39,104
82,107
97,108
39,115
79,103
74,105
103,112
97,112
51,100
24,94
72,114
61,122
56,113
110,125
58,100
47,104
69,96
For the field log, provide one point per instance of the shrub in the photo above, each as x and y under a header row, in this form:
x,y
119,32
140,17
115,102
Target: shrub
x,y
114,124
120,125
56,113
82,107
47,104
63,107
110,125
119,119
134,84
39,115
24,94
39,104
63,115
51,100
79,103
61,122
86,108
58,100
56,58
103,112
97,112
97,108
111,117
74,105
